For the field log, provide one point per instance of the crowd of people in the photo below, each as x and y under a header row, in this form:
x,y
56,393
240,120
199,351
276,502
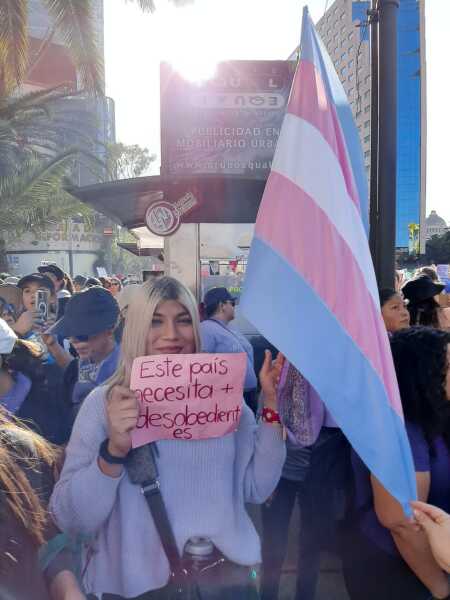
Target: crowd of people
x,y
75,524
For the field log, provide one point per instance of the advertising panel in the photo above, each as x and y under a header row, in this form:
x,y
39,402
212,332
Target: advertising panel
x,y
228,125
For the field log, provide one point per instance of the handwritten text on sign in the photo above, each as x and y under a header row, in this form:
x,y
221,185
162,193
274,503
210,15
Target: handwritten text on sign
x,y
187,396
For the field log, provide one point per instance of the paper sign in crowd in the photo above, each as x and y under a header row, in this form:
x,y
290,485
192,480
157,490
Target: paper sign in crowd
x,y
187,396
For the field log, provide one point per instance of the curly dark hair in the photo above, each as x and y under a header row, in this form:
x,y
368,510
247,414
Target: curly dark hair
x,y
424,313
25,357
421,364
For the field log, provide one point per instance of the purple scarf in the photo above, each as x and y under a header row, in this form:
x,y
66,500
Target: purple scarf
x,y
301,410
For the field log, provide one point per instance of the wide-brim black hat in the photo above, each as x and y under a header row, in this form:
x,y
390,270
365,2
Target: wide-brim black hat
x,y
87,313
421,288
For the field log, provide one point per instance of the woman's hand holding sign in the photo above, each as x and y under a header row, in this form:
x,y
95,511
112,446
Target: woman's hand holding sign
x,y
122,412
269,378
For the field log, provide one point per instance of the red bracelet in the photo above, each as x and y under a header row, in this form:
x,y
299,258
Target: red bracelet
x,y
269,415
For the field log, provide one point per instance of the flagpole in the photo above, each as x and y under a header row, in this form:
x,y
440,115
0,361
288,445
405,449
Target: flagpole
x,y
373,22
387,149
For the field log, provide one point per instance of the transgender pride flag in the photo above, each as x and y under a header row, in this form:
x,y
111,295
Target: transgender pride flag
x,y
310,286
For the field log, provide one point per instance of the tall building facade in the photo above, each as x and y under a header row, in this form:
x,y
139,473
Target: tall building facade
x,y
55,66
70,244
344,31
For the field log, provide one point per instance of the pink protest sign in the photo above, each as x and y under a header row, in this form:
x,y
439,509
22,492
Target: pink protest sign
x,y
187,396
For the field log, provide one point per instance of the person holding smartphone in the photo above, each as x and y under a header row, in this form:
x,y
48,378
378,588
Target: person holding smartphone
x,y
33,319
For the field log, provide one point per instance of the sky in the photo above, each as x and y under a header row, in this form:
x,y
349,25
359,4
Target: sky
x,y
196,36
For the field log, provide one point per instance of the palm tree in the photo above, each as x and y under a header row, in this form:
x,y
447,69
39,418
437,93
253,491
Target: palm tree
x,y
36,159
74,23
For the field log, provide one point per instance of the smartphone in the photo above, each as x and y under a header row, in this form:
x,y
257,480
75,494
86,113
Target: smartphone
x,y
43,304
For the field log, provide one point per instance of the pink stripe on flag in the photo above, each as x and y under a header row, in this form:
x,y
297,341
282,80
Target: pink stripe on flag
x,y
291,222
310,102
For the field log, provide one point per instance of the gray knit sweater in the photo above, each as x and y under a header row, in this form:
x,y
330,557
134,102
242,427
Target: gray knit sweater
x,y
204,484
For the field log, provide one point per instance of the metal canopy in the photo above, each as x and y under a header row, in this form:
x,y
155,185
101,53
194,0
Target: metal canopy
x,y
221,199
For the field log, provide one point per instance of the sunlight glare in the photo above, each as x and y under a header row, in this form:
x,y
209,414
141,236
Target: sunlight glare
x,y
189,43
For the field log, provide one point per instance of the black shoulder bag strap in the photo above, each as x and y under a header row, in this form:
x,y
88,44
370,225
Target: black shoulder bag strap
x,y
142,470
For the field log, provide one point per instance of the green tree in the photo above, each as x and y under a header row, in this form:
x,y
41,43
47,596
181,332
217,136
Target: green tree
x,y
125,162
34,173
438,249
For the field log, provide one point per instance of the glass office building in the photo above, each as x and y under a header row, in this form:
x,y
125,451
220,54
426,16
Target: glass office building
x,y
345,33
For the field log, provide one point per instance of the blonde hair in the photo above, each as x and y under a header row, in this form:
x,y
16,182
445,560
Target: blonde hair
x,y
139,320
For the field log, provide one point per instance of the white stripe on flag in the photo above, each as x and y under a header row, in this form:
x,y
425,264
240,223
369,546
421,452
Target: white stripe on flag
x,y
303,156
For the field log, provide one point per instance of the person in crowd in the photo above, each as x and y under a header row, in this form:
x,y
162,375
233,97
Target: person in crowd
x,y
435,522
79,281
430,272
115,286
88,323
393,310
93,282
63,285
217,335
316,475
422,306
106,282
10,303
25,389
27,468
387,555
204,483
29,324
399,280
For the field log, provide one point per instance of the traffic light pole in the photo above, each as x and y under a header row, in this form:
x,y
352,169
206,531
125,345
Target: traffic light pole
x,y
385,226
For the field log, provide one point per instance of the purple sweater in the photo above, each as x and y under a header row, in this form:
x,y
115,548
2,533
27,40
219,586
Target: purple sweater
x,y
205,485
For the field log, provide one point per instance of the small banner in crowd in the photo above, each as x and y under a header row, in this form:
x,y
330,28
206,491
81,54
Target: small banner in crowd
x,y
187,396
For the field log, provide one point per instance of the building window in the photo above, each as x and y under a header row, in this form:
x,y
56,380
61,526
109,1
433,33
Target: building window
x,y
328,32
366,154
367,95
344,56
367,139
344,71
350,35
335,37
350,64
367,79
342,17
351,77
350,91
351,48
366,124
367,109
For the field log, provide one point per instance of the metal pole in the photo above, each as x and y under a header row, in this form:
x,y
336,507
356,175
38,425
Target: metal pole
x,y
387,150
373,241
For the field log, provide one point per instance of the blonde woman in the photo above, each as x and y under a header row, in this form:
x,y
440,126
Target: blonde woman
x,y
204,483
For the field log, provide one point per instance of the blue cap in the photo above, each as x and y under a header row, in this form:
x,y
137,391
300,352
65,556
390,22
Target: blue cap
x,y
216,295
87,313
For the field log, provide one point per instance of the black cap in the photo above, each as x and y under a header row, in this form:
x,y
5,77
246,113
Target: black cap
x,y
53,269
216,295
79,280
421,288
41,280
88,313
92,281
